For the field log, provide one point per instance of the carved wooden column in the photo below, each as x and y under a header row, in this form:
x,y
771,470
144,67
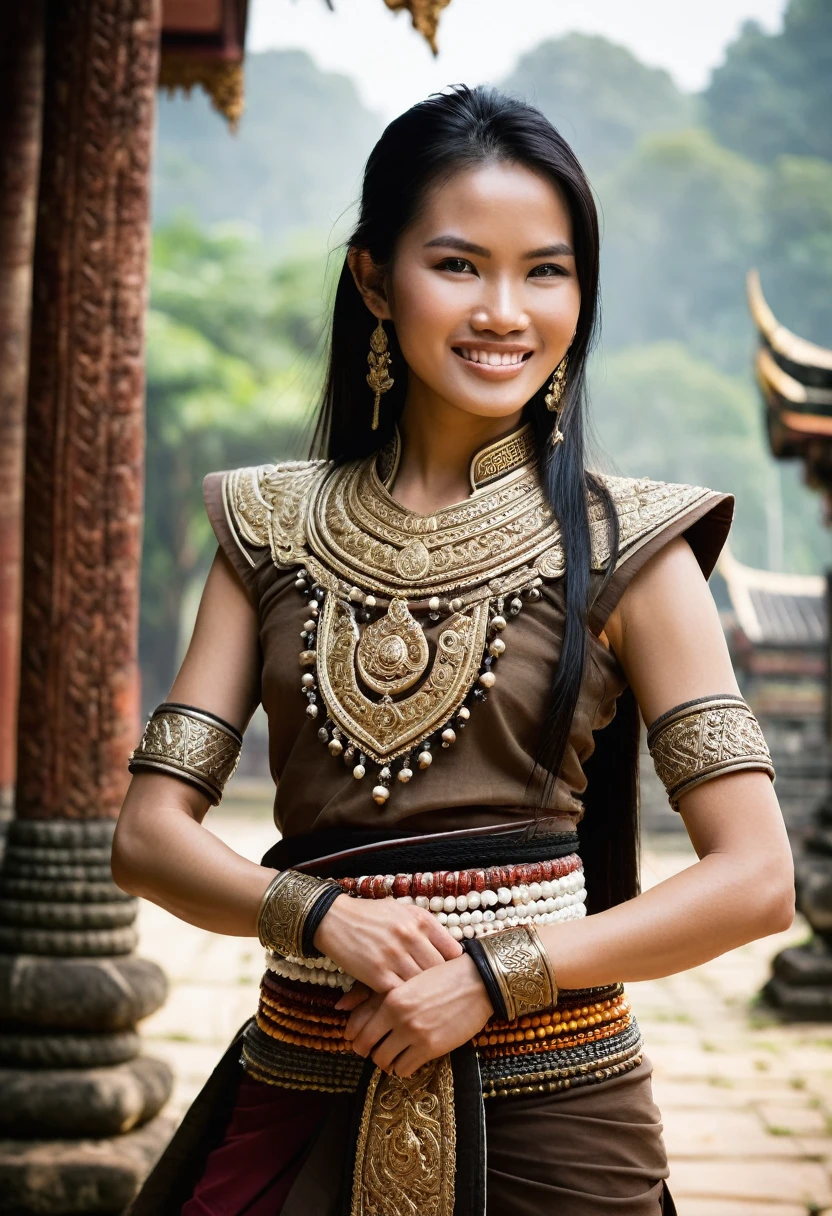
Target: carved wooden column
x,y
79,1100
21,82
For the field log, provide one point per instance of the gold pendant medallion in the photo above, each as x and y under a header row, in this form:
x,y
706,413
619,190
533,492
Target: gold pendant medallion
x,y
387,728
393,652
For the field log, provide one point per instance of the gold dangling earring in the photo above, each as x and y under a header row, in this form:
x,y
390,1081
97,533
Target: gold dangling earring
x,y
379,361
554,397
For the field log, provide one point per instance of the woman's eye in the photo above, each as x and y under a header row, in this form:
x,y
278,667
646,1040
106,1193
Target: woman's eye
x,y
454,264
552,268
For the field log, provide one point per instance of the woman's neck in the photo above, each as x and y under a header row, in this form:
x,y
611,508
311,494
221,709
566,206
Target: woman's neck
x,y
437,447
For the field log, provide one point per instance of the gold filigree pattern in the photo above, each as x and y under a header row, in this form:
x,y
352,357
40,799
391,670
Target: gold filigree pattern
x,y
283,910
405,1159
704,739
192,746
522,970
644,508
387,729
501,457
393,652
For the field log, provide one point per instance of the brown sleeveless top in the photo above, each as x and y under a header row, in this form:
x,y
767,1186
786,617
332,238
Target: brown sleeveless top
x,y
409,659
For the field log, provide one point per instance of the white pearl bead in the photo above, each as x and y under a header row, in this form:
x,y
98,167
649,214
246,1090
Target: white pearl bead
x,y
534,890
405,899
559,903
461,903
465,918
546,890
488,915
453,919
442,918
581,895
422,901
524,893
504,895
501,913
474,899
550,904
515,895
456,932
449,903
437,903
476,917
468,931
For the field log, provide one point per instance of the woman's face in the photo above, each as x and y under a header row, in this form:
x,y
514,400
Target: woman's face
x,y
483,291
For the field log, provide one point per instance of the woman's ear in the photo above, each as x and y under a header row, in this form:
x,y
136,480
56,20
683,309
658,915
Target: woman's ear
x,y
369,280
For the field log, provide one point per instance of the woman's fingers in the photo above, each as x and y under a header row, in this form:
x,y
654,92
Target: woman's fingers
x,y
408,1061
361,1015
439,936
373,1028
391,1046
350,1000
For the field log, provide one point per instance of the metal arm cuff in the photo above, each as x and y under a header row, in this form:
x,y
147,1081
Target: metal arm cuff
x,y
192,744
704,738
288,901
522,970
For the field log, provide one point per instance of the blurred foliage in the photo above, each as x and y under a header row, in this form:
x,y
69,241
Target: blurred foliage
x,y
599,96
294,162
233,366
692,191
661,411
683,224
773,94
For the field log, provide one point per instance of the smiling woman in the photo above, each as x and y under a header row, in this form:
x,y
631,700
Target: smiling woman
x,y
442,1027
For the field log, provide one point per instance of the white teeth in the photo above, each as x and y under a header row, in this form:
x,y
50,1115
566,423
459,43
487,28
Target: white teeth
x,y
492,358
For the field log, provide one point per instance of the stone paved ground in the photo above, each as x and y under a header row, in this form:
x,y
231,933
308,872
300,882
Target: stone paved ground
x,y
747,1102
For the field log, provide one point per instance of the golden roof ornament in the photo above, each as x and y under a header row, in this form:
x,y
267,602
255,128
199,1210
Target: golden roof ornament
x,y
424,16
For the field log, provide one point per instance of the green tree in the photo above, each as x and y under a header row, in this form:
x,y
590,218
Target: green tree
x,y
796,257
683,224
661,411
773,94
233,368
294,162
599,96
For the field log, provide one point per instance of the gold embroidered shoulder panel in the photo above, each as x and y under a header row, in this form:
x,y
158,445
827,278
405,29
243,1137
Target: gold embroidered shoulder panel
x,y
346,518
644,508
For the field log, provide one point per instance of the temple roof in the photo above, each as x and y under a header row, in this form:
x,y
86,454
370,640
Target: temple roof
x,y
795,379
775,609
203,43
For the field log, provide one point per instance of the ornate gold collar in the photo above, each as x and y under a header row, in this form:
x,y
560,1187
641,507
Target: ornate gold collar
x,y
500,538
488,462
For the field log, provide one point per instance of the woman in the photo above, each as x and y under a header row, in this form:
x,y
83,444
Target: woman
x,y
441,1027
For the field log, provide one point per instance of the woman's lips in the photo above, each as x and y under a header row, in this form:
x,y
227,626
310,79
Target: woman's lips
x,y
494,371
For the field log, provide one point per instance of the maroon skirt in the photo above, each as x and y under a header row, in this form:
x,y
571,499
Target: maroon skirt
x,y
581,1152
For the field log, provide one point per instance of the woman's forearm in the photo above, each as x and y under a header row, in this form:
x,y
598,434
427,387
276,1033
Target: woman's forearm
x,y
713,906
163,853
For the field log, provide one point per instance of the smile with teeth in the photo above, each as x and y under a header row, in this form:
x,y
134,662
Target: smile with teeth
x,y
492,357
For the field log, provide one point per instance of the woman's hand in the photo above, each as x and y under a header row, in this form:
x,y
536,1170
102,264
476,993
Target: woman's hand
x,y
434,1012
383,942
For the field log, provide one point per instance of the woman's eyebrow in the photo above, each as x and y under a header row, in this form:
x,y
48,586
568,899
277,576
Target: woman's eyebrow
x,y
559,250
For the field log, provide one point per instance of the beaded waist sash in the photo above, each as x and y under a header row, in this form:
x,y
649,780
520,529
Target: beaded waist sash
x,y
297,1038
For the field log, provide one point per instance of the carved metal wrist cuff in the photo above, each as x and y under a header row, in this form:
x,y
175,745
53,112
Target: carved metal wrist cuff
x,y
522,970
705,738
286,904
192,744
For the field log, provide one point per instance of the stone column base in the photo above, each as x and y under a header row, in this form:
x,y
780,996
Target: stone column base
x,y
65,1177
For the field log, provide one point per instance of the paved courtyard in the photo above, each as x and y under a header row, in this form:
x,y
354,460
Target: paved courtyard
x,y
747,1102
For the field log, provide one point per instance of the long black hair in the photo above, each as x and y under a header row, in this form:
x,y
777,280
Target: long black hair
x,y
447,133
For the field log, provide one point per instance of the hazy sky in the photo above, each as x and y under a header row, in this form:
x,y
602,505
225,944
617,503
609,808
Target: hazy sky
x,y
480,40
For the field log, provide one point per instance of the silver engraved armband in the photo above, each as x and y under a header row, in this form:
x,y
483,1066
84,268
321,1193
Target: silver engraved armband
x,y
192,744
705,738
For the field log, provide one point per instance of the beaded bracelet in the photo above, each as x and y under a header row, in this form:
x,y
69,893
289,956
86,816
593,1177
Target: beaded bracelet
x,y
522,970
287,904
